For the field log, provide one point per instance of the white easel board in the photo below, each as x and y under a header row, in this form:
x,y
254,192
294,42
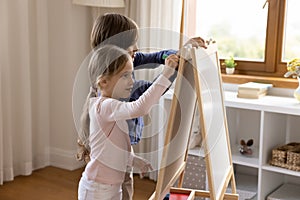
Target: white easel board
x,y
213,120
207,86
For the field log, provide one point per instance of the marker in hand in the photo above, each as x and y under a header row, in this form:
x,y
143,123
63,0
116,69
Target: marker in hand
x,y
165,56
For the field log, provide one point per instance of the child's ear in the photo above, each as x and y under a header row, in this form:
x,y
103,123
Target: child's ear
x,y
102,82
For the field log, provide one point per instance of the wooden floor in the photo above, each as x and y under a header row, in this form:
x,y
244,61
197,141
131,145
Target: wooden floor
x,y
53,183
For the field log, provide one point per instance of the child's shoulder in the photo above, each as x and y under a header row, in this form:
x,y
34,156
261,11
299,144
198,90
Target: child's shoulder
x,y
99,103
101,100
93,100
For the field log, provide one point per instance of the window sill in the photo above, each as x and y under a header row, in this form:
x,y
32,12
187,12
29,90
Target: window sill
x,y
277,82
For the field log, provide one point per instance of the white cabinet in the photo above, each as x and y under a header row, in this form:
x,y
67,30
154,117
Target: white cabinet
x,y
270,121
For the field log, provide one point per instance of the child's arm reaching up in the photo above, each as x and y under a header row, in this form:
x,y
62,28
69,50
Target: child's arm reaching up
x,y
114,110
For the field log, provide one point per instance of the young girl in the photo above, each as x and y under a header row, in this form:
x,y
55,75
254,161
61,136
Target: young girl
x,y
104,119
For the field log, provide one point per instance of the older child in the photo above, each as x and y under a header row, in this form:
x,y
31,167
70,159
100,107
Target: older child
x,y
104,118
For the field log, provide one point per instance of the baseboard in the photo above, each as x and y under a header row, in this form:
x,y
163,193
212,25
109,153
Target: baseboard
x,y
64,159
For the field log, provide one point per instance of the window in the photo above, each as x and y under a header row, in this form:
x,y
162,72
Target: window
x,y
261,38
291,39
241,32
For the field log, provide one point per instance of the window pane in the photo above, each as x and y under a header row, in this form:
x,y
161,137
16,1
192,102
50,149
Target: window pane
x,y
291,41
239,27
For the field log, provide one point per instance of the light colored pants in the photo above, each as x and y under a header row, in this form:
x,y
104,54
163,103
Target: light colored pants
x,y
91,190
127,186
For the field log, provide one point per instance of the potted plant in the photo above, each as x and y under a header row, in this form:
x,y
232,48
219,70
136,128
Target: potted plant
x,y
229,65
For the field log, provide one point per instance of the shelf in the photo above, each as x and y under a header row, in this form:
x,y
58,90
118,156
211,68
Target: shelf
x,y
286,191
285,105
246,186
249,161
237,157
246,182
197,151
270,121
280,170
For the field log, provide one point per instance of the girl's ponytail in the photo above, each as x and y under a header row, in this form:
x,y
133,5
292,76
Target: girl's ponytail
x,y
84,132
106,60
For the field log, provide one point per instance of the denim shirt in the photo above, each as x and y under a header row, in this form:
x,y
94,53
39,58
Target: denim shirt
x,y
144,61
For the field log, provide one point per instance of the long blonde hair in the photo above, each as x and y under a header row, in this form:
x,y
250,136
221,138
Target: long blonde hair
x,y
105,61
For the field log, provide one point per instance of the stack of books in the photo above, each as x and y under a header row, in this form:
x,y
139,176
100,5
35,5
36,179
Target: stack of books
x,y
253,90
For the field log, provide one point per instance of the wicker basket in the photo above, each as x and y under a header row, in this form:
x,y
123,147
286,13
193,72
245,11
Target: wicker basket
x,y
280,154
287,156
293,156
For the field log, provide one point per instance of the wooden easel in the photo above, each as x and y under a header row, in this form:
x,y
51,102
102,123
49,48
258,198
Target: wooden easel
x,y
198,83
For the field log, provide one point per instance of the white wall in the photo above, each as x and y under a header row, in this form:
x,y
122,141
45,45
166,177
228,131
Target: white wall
x,y
69,28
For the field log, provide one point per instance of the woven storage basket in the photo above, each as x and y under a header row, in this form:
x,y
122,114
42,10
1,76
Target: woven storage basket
x,y
287,156
280,154
293,158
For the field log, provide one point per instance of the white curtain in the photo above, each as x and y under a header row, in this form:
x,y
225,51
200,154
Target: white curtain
x,y
159,23
24,87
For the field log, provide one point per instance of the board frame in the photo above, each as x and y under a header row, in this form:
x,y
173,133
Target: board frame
x,y
198,69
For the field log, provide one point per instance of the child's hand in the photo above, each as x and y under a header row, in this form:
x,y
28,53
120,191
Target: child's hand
x,y
142,165
171,63
197,42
